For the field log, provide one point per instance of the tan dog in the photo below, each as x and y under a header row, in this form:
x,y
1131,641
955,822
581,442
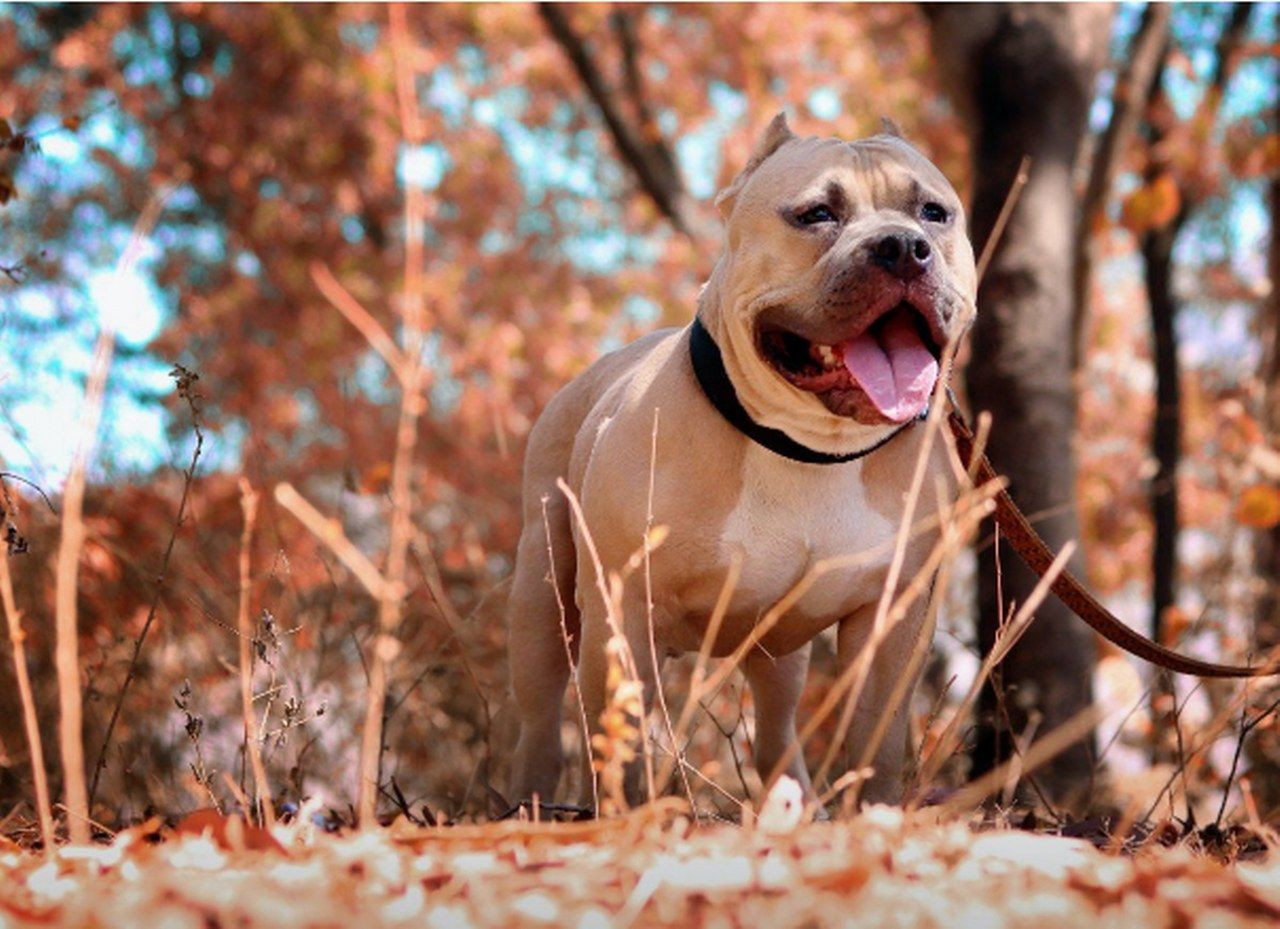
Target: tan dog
x,y
846,270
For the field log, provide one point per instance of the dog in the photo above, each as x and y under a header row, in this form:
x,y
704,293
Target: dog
x,y
778,430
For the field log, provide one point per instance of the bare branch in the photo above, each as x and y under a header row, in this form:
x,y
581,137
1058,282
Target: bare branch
x,y
650,159
1002,219
358,316
1126,106
329,531
1227,50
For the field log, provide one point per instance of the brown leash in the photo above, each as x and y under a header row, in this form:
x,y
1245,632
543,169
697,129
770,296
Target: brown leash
x,y
1018,530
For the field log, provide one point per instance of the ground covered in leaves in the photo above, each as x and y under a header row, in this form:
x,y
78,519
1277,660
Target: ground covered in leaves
x,y
653,867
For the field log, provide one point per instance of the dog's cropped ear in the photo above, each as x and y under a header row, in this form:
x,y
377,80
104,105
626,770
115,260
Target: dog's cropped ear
x,y
889,127
775,136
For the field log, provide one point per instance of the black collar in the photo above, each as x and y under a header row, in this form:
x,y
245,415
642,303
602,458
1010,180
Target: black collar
x,y
708,365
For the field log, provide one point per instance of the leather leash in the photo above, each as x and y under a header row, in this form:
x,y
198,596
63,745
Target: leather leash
x,y
1033,550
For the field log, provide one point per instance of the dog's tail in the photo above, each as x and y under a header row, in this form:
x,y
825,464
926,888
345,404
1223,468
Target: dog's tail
x,y
1019,532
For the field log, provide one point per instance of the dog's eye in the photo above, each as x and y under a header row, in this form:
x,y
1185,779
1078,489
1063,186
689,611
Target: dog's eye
x,y
816,214
934,213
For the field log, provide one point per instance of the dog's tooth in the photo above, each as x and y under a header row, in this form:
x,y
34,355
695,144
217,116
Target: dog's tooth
x,y
827,354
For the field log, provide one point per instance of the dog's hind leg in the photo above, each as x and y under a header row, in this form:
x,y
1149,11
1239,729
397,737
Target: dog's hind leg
x,y
543,629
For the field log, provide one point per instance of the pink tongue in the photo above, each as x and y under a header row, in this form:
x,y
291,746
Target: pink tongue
x,y
893,367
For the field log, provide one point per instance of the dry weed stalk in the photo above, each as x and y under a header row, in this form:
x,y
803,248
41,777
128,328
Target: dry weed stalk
x,y
1002,218
1038,753
67,652
388,586
1006,638
17,640
970,511
1209,733
651,539
262,789
185,385
703,684
610,589
613,747
193,725
954,538
697,680
573,669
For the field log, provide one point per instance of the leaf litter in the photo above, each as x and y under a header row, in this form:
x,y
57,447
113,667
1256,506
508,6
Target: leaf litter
x,y
654,866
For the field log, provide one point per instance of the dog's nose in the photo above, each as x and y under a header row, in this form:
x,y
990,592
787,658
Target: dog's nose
x,y
903,255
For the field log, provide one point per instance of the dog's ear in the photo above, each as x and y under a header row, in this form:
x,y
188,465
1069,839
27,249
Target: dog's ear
x,y
889,127
776,135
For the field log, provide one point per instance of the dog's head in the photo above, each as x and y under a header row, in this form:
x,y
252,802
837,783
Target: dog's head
x,y
847,270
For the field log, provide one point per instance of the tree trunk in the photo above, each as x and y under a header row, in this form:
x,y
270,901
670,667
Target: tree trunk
x,y
1268,552
1264,750
1166,432
1166,449
1023,74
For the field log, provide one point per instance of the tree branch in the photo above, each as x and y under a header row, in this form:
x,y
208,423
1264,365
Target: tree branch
x,y
1229,44
649,159
1126,103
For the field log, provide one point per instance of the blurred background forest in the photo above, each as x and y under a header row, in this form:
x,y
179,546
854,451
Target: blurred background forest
x,y
535,184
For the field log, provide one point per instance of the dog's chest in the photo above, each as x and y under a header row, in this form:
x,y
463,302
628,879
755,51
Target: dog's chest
x,y
789,518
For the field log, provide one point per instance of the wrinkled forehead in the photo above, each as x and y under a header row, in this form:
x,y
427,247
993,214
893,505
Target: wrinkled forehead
x,y
872,172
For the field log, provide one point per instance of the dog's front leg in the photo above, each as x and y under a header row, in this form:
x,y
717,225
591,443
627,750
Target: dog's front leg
x,y
776,685
888,664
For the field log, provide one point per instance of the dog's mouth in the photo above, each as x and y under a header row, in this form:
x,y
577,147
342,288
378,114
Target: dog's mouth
x,y
884,373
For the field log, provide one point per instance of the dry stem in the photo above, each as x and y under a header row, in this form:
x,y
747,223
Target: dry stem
x,y
17,638
1005,640
610,590
573,670
262,789
67,653
1002,219
881,625
329,531
1057,741
648,600
187,391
